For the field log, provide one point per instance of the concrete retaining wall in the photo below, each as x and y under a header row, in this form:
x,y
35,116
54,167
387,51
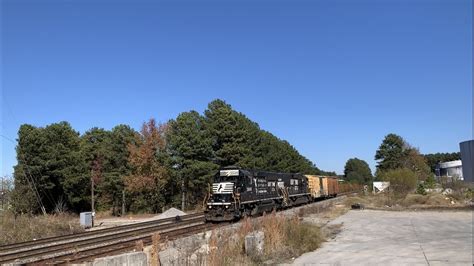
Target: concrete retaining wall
x,y
129,259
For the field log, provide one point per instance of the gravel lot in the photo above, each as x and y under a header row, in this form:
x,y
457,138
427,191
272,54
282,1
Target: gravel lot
x,y
398,238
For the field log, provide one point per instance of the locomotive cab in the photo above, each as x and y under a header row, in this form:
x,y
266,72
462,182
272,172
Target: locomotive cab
x,y
223,201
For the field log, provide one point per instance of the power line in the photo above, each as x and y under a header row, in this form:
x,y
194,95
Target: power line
x,y
48,196
31,182
7,138
28,175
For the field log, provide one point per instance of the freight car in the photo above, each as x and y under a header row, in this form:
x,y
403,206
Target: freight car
x,y
321,187
239,192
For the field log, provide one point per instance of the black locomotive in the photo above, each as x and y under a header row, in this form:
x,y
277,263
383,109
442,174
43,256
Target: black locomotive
x,y
238,192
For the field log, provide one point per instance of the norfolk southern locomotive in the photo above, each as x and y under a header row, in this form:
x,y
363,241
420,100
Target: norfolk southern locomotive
x,y
238,192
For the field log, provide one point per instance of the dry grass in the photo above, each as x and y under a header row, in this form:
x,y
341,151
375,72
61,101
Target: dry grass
x,y
155,260
438,200
139,245
27,227
273,227
103,214
284,238
225,249
409,201
302,237
349,201
414,199
335,211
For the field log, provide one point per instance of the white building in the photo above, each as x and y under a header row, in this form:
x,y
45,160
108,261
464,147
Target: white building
x,y
450,169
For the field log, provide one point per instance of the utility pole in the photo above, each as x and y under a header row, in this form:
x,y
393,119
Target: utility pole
x,y
183,194
123,203
92,197
2,194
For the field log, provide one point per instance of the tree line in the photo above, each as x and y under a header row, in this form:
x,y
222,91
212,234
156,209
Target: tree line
x,y
434,158
396,157
163,164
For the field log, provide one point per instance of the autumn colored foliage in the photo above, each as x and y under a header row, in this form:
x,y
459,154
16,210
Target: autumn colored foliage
x,y
147,159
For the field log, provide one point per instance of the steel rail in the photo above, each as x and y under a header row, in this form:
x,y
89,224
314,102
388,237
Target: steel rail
x,y
92,244
127,245
27,244
72,246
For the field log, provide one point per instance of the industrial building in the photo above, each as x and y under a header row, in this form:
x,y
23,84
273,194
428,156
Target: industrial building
x,y
452,170
461,169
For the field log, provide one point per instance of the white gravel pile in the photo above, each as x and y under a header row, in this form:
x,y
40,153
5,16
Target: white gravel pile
x,y
172,212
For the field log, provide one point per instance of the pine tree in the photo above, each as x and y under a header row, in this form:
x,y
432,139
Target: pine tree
x,y
357,170
47,159
190,144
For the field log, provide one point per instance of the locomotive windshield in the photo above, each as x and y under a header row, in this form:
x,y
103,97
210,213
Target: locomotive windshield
x,y
226,176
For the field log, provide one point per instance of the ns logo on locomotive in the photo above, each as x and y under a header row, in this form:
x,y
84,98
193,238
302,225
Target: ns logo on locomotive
x,y
239,192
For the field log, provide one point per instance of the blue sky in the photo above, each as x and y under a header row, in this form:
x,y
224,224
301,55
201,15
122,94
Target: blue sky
x,y
331,77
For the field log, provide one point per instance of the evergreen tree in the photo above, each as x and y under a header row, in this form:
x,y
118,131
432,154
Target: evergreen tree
x,y
357,170
396,153
190,145
96,155
112,185
390,153
47,159
229,133
239,141
435,158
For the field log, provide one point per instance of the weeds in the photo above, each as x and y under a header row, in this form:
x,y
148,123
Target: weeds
x,y
302,237
284,238
413,199
456,198
27,227
155,239
349,201
139,245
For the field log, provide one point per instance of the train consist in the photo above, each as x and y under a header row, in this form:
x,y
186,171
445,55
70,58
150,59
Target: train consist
x,y
238,192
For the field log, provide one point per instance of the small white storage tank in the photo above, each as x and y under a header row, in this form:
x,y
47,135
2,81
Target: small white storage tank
x,y
467,157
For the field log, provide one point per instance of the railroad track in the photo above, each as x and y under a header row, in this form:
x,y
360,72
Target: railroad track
x,y
86,246
71,247
130,244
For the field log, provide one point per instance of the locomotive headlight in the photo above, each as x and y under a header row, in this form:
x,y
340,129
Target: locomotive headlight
x,y
227,206
210,206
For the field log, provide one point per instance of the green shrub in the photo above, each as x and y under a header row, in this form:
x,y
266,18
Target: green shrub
x,y
430,182
402,181
421,189
303,237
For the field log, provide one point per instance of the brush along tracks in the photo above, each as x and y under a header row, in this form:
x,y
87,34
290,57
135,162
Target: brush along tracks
x,y
87,245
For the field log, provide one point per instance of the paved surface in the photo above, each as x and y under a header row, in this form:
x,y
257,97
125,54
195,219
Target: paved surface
x,y
398,238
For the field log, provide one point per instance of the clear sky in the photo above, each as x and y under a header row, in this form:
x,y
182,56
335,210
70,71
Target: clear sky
x,y
331,77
